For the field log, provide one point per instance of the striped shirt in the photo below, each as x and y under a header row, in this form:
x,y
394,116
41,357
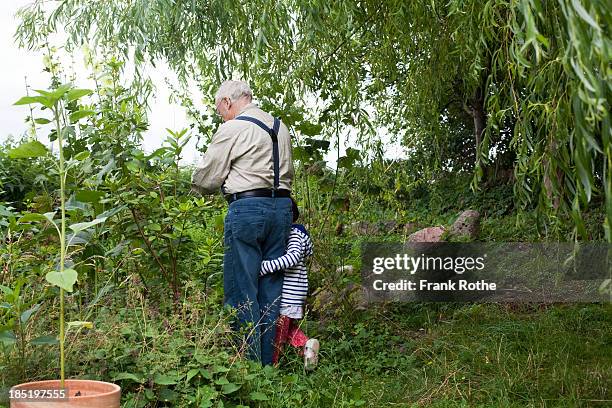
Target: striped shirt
x,y
295,283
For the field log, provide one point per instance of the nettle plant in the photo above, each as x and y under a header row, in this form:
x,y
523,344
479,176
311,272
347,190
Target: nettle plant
x,y
64,276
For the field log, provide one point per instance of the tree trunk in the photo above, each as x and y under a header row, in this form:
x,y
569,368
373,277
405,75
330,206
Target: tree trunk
x,y
475,108
480,118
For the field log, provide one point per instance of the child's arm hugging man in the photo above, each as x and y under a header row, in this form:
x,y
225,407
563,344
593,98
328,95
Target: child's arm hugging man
x,y
297,249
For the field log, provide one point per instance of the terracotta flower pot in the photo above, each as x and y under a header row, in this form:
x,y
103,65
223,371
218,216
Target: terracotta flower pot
x,y
80,394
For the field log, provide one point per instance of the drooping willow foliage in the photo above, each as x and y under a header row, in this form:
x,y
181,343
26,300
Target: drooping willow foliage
x,y
468,85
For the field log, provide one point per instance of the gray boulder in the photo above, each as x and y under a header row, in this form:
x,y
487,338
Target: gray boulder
x,y
466,225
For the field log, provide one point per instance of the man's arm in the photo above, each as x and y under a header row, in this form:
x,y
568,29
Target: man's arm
x,y
213,168
291,258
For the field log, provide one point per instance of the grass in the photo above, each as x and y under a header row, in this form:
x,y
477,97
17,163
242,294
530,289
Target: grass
x,y
395,355
467,355
438,355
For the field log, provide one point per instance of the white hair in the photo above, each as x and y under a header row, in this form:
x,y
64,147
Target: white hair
x,y
233,90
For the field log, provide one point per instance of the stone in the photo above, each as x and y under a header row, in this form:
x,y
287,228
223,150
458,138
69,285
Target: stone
x,y
387,227
363,228
358,299
429,234
321,299
466,225
355,297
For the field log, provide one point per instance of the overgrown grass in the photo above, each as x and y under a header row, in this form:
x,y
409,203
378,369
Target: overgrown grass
x,y
449,355
404,355
439,355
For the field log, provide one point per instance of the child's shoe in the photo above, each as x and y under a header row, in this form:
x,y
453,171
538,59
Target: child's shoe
x,y
311,354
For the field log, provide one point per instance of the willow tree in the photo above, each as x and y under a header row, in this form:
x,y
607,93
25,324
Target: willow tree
x,y
526,82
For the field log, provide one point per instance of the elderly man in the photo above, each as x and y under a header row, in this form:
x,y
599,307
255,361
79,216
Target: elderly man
x,y
249,158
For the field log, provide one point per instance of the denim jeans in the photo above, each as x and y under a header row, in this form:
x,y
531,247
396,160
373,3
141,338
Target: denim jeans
x,y
255,229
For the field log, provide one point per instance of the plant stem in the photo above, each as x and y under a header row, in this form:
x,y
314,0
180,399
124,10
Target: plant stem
x,y
22,343
62,238
149,246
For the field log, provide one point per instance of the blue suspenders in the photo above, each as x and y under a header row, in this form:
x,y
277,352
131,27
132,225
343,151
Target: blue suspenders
x,y
274,136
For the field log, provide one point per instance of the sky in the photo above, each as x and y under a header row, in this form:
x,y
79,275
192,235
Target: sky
x,y
20,65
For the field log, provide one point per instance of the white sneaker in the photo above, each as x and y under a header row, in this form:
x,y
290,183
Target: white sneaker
x,y
311,354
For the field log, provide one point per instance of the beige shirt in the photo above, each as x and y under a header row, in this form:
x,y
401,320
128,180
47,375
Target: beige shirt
x,y
239,157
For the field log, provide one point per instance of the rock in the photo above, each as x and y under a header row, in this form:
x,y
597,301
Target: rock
x,y
373,228
363,228
359,299
466,225
430,234
355,297
331,303
321,299
387,227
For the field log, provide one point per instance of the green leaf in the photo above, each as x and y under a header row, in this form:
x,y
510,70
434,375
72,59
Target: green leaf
x,y
158,153
77,93
206,397
58,92
154,227
219,369
28,150
310,129
192,373
42,121
89,196
32,217
26,100
42,340
229,388
128,376
258,396
222,381
25,316
75,116
206,374
290,379
64,280
7,337
82,156
133,166
161,379
167,395
7,291
78,324
585,14
49,216
81,226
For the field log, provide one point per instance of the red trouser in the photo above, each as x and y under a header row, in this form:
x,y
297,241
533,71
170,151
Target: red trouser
x,y
287,331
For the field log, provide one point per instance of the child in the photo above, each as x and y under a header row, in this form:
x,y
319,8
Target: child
x,y
295,289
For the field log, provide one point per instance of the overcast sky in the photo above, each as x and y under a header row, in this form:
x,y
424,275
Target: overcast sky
x,y
19,64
